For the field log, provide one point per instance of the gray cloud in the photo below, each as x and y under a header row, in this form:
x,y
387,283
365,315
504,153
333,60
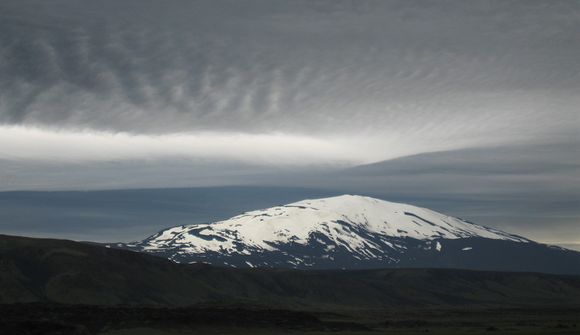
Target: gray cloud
x,y
296,66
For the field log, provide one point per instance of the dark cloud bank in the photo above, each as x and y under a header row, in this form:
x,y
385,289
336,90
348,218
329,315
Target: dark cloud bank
x,y
531,191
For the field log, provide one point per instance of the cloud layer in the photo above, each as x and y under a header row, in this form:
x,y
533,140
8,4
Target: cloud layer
x,y
34,144
398,76
529,190
169,93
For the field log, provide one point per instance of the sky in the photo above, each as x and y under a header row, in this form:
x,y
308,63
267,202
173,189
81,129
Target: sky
x,y
443,102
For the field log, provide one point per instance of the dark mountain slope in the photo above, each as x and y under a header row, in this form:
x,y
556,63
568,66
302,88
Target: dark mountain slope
x,y
47,270
73,272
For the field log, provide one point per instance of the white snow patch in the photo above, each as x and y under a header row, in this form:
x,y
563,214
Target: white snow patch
x,y
438,246
345,220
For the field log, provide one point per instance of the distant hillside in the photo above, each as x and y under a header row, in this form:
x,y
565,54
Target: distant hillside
x,y
71,272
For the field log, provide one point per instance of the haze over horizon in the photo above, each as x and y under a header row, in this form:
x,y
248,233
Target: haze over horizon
x,y
471,107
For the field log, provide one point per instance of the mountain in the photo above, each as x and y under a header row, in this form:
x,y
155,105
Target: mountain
x,y
353,232
59,271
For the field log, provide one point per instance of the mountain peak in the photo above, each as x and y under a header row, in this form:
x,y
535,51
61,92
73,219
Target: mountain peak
x,y
355,226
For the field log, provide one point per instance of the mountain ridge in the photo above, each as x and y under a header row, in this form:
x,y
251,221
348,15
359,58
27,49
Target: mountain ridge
x,y
353,232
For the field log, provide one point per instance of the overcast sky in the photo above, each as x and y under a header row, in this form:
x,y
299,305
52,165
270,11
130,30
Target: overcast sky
x,y
271,92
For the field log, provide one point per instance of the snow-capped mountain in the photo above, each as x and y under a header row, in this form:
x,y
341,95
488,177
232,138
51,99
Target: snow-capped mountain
x,y
346,231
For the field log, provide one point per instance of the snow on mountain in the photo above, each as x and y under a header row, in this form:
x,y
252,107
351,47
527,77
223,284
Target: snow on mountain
x,y
318,230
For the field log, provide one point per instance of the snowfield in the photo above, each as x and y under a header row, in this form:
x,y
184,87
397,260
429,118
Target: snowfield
x,y
362,225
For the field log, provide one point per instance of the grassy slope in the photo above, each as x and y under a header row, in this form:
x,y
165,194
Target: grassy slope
x,y
72,272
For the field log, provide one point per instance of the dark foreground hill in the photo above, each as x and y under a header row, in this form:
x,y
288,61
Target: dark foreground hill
x,y
64,287
58,271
